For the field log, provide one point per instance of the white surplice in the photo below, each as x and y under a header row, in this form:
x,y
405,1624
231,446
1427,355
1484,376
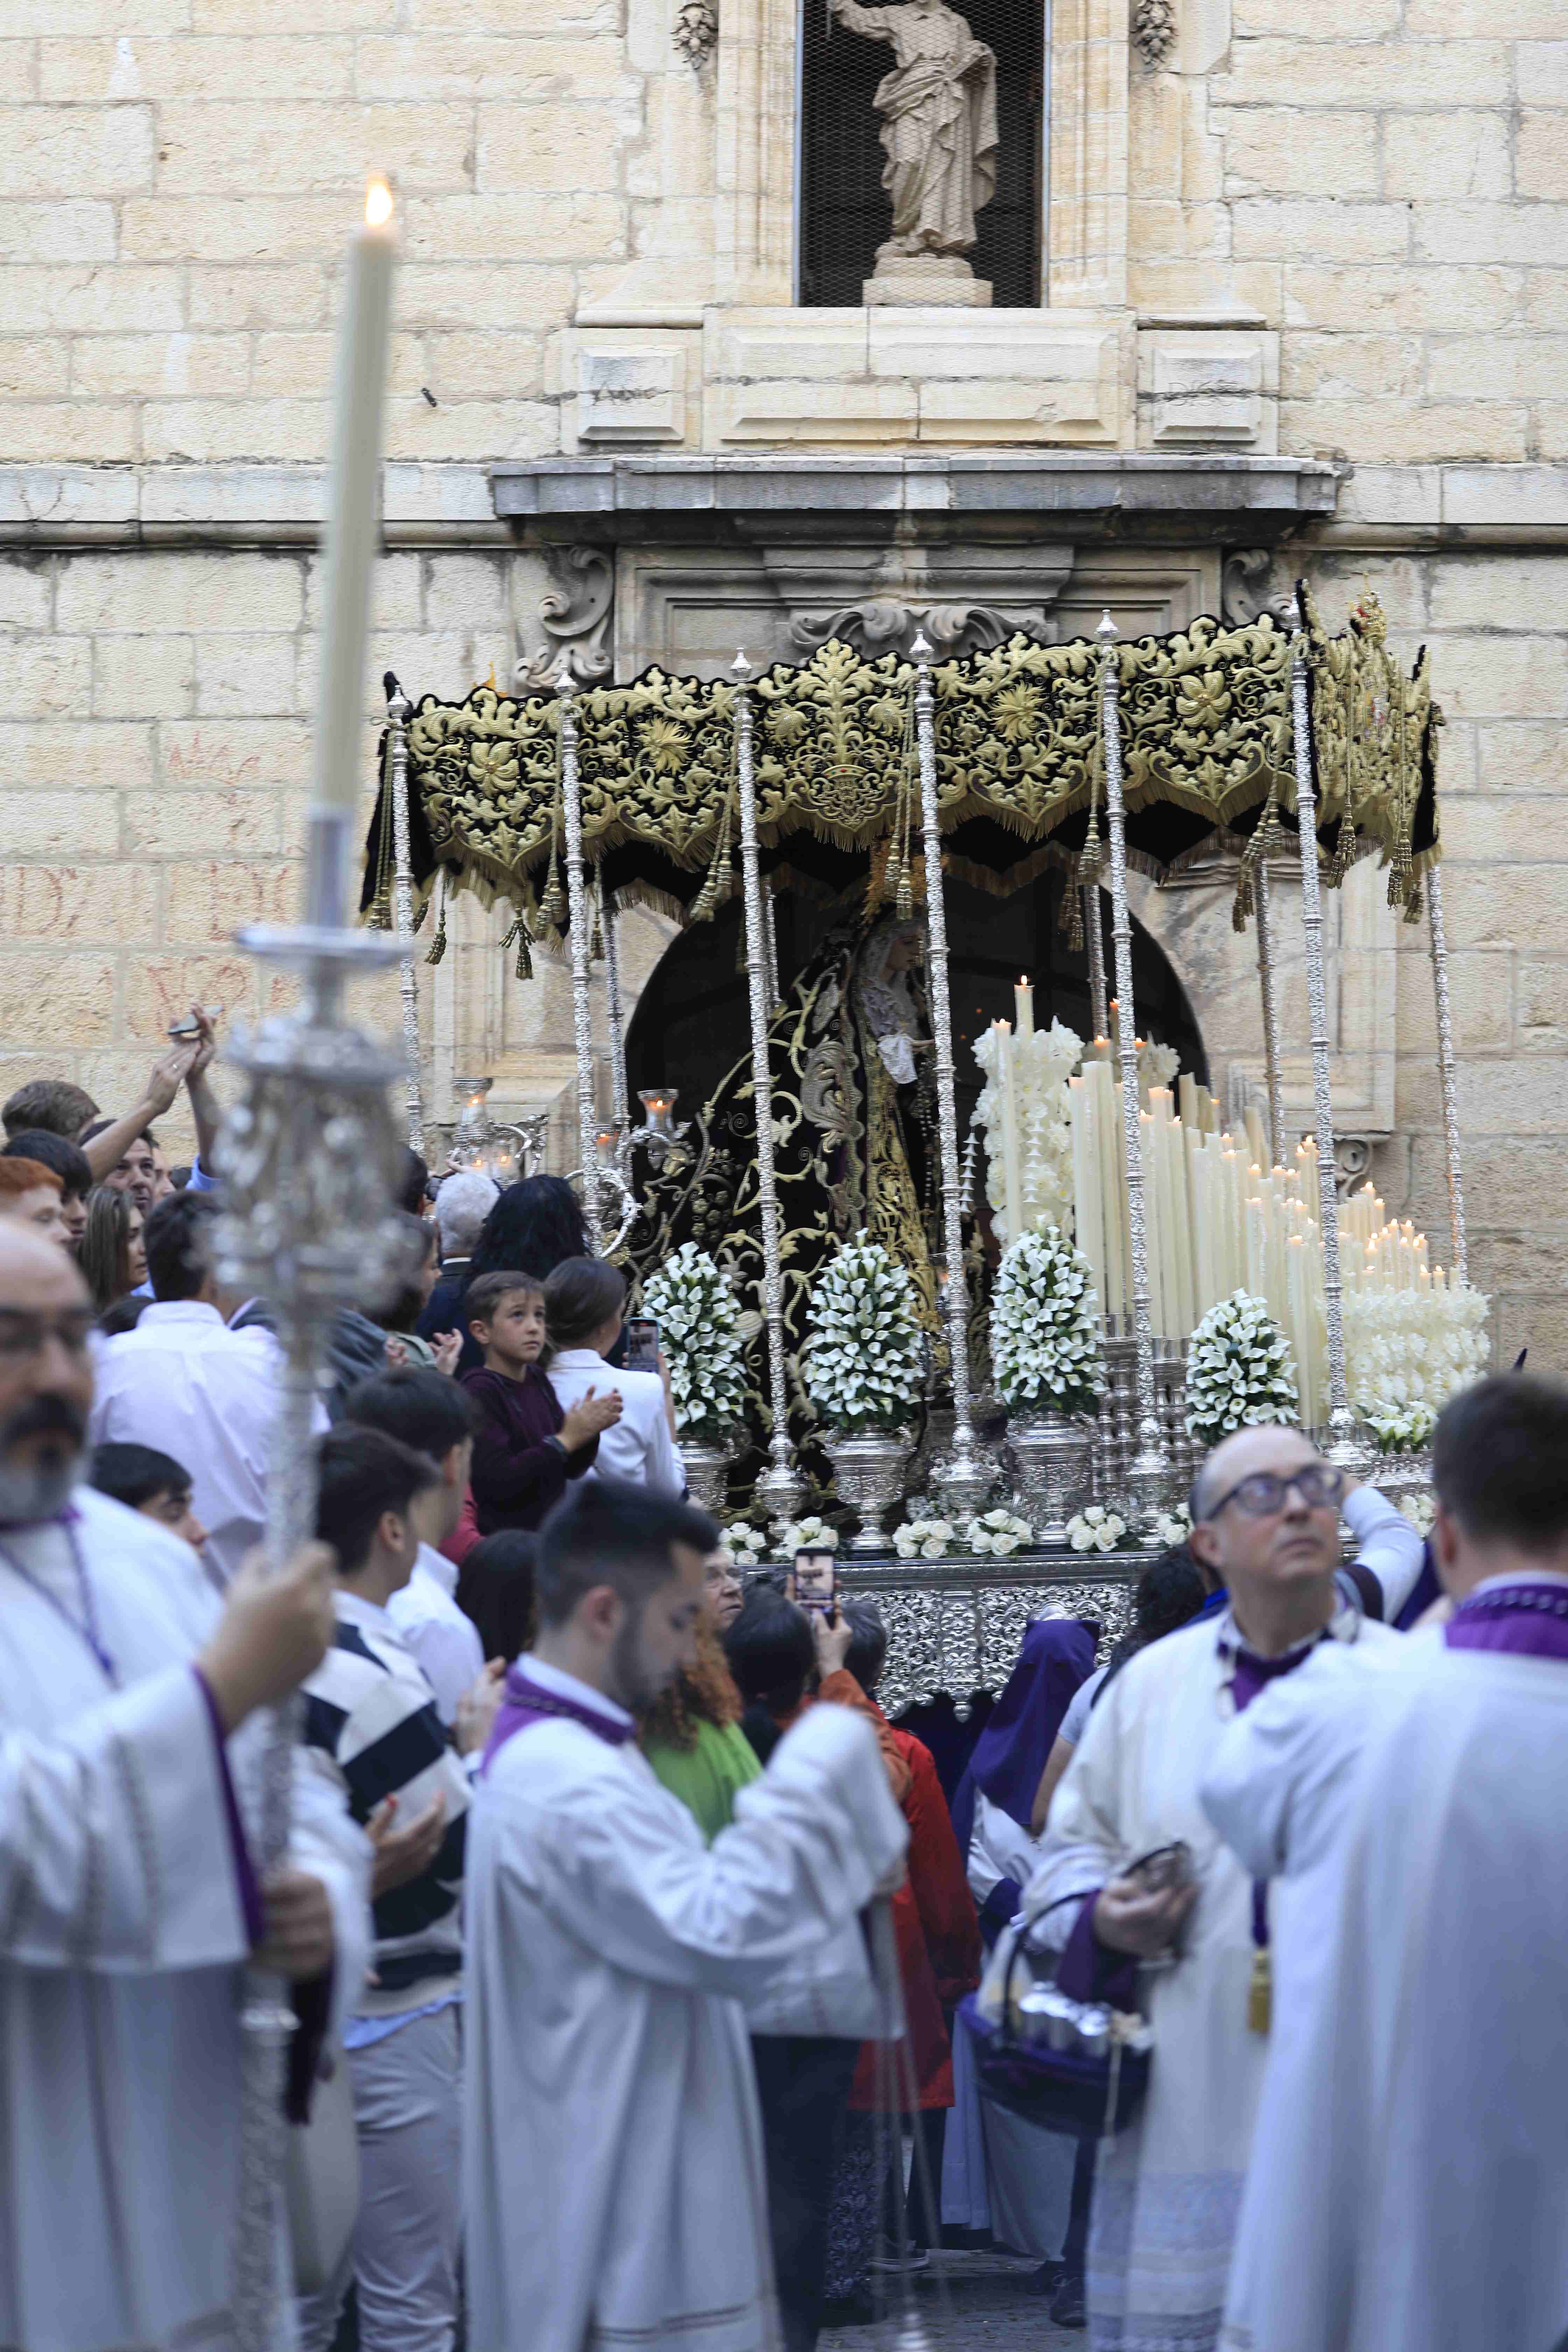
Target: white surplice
x,y
613,2179
120,1927
1167,2191
1409,2185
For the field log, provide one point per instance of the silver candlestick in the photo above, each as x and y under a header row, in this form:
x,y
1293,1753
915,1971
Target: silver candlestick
x,y
1149,1474
398,708
581,999
781,1487
1271,1013
310,1160
1343,1449
963,1482
1445,1071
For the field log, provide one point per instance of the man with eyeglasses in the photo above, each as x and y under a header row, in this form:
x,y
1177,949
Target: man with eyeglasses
x,y
1409,2178
1185,1938
128,1894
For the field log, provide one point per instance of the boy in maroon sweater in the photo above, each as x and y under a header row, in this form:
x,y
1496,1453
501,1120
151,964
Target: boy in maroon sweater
x,y
525,1449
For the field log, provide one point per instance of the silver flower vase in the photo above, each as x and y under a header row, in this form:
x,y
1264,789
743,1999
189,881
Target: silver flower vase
x,y
707,1475
868,1470
1052,1451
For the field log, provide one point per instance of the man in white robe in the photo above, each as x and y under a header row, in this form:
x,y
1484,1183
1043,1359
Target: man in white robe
x,y
614,2181
127,1900
1166,2195
1408,2190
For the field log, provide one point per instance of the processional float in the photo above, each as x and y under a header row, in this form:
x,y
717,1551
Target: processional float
x,y
1002,761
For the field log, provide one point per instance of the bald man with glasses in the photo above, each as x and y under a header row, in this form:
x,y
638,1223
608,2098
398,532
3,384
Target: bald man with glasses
x,y
1185,1938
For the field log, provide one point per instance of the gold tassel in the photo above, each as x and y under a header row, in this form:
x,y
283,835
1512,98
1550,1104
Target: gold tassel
x,y
596,944
437,947
1069,918
1340,864
1260,1992
1245,900
1412,904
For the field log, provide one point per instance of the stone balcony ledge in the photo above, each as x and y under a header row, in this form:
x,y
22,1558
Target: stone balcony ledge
x,y
619,498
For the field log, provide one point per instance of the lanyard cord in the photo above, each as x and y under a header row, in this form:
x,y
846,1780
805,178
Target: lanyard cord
x,y
86,1626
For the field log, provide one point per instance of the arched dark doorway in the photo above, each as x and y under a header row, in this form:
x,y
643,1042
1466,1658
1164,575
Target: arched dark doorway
x,y
692,1021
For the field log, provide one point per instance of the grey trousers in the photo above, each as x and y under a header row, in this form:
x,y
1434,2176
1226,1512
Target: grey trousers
x,y
402,2258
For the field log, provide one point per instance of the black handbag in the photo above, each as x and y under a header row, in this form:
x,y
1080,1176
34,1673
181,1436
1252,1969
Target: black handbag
x,y
1072,2089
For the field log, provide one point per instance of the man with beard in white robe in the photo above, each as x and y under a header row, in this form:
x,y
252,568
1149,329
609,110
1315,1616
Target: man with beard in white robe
x,y
1267,1523
127,1896
1408,2190
613,2177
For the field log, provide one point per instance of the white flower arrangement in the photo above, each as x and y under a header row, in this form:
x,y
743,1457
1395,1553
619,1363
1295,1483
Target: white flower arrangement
x,y
1406,1348
1174,1526
1402,1430
1000,1533
1042,1064
1240,1372
1044,1326
699,1330
924,1540
1095,1530
1421,1511
1157,1065
809,1534
862,1348
746,1544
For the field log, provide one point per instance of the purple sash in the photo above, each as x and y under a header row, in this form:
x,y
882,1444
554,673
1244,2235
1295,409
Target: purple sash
x,y
526,1701
1531,1620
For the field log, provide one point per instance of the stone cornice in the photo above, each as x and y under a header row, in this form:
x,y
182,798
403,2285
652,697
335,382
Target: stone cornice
x,y
745,499
758,500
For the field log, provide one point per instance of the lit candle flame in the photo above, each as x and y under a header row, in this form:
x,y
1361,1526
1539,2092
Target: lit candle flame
x,y
378,205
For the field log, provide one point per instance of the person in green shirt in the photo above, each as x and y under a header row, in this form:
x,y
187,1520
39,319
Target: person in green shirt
x,y
691,1735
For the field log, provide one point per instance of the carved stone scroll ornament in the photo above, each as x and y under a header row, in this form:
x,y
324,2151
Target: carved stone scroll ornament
x,y
886,624
1153,30
1250,588
576,615
1353,1162
696,33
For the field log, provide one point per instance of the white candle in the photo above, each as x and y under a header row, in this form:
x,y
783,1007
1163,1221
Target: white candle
x,y
353,507
1024,1006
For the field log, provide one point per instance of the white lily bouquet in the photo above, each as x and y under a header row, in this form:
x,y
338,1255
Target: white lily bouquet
x,y
1045,1326
699,1330
863,1348
1095,1530
1239,1372
998,1533
1402,1429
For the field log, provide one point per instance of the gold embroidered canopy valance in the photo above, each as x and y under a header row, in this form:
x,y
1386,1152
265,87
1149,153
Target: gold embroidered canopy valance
x,y
1205,719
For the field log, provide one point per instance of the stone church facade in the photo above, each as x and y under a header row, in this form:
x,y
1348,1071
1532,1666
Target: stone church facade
x,y
1299,307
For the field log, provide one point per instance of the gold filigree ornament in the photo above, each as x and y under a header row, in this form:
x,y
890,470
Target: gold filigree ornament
x,y
1206,735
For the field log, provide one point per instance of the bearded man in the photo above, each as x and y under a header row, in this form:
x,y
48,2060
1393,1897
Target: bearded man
x,y
127,1898
615,2186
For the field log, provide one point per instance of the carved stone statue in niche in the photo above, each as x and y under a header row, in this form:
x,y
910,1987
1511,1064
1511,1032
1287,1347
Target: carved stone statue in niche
x,y
938,106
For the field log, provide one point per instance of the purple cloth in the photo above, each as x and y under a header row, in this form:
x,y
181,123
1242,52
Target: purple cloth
x,y
1425,1589
518,1476
1057,1654
524,1701
1531,1620
250,1902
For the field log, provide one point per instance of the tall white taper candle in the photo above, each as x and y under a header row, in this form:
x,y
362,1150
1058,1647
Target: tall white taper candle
x,y
352,529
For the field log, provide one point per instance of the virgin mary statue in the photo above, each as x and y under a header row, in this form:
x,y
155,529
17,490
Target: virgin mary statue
x,y
853,1113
